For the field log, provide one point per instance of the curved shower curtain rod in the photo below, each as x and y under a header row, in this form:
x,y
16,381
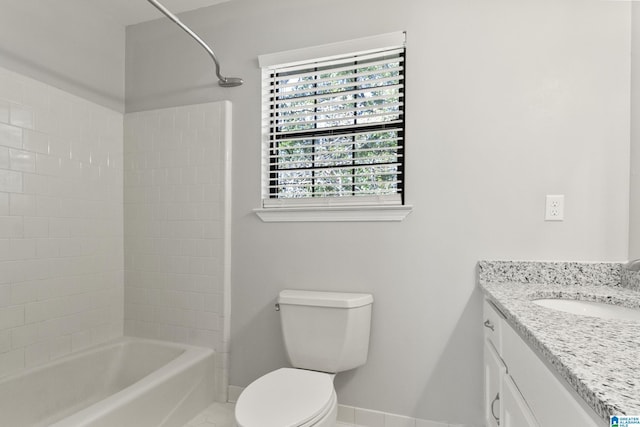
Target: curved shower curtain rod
x,y
222,81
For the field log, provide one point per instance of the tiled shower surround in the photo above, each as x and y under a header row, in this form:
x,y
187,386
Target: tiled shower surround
x,y
67,183
61,222
176,261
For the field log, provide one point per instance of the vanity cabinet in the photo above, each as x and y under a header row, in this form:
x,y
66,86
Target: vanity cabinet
x,y
520,390
515,411
504,405
494,371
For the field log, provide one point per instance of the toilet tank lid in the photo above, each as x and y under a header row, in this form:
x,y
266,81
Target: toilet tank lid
x,y
324,299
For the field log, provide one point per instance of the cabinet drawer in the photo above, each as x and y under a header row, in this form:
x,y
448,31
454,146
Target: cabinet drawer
x,y
492,325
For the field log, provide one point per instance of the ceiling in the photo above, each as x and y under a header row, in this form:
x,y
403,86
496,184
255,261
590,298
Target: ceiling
x,y
128,12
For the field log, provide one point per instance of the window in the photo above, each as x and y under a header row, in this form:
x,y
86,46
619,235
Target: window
x,y
333,129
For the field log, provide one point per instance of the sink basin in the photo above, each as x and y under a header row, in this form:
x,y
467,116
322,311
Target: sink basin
x,y
589,308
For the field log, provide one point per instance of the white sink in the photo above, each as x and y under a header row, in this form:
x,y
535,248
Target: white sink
x,y
588,308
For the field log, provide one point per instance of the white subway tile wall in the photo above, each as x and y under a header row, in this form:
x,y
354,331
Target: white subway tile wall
x,y
176,254
61,223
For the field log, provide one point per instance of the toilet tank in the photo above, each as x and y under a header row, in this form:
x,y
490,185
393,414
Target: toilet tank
x,y
325,331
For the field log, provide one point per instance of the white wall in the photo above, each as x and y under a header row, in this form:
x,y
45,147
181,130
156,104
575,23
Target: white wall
x,y
634,193
68,44
506,101
175,219
61,260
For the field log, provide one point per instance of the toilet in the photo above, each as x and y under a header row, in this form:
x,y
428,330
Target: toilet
x,y
324,333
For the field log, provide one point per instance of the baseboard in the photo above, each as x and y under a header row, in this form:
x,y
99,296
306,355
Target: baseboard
x,y
359,417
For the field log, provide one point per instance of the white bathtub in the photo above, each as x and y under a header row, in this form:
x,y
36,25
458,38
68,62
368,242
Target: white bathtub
x,y
129,382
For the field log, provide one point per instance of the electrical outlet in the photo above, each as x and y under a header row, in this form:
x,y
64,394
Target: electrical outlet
x,y
554,207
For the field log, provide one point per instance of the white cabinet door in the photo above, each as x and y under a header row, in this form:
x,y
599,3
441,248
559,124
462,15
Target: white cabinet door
x,y
551,401
494,369
508,361
515,412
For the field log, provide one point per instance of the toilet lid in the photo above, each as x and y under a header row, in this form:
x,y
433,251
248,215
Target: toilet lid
x,y
284,398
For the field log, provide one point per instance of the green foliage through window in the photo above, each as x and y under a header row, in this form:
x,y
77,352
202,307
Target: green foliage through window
x,y
336,129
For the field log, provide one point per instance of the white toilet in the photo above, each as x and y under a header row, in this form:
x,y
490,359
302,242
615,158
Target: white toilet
x,y
324,333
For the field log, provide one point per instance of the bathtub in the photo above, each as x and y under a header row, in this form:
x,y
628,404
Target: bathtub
x,y
128,382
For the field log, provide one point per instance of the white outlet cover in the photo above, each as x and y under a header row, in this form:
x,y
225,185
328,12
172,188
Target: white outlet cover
x,y
554,207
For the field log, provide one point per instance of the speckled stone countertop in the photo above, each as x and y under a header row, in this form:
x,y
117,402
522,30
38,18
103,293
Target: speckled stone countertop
x,y
599,358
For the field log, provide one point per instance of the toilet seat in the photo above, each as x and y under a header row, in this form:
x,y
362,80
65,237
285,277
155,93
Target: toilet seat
x,y
286,398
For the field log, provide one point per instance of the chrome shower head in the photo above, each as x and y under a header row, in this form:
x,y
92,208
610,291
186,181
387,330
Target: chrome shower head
x,y
223,81
230,82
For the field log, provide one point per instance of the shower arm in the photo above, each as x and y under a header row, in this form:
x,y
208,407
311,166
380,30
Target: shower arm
x,y
222,81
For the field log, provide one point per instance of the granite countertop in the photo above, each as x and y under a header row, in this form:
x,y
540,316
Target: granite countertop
x,y
599,358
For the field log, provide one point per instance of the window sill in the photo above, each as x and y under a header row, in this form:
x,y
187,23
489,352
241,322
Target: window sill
x,y
335,214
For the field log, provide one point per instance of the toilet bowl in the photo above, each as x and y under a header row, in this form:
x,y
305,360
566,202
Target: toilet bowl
x,y
324,333
288,397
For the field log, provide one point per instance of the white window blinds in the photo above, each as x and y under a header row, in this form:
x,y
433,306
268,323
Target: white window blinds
x,y
334,130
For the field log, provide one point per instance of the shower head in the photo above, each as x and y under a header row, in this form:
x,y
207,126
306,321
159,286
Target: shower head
x,y
230,81
223,81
